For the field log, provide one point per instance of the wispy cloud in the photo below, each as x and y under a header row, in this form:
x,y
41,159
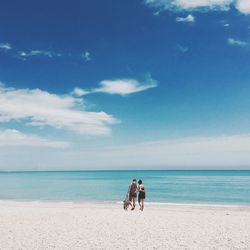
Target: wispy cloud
x,y
47,53
182,49
188,19
79,92
235,42
190,152
36,53
32,53
36,107
24,55
86,56
124,86
12,137
119,87
199,5
177,5
5,46
229,151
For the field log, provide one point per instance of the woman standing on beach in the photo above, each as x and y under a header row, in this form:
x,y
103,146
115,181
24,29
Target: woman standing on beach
x,y
132,193
142,195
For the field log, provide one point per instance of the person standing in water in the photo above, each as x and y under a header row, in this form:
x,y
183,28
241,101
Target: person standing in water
x,y
132,193
142,194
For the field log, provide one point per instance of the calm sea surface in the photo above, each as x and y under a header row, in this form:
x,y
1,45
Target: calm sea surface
x,y
205,187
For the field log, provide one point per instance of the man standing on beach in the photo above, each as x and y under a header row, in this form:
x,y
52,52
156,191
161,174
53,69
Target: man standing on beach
x,y
132,193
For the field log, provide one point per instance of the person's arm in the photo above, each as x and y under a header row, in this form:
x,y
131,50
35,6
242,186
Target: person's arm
x,y
142,188
129,189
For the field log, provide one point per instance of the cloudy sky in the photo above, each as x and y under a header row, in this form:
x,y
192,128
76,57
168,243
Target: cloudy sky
x,y
124,84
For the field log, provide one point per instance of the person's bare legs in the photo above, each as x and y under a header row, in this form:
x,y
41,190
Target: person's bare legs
x,y
142,204
133,199
130,203
139,201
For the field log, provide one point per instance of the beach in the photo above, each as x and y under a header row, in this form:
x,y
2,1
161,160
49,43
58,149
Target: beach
x,y
82,225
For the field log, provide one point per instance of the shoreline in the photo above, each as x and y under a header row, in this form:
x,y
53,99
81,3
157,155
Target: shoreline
x,y
153,204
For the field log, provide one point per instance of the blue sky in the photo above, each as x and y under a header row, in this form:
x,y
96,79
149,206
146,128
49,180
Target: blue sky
x,y
124,84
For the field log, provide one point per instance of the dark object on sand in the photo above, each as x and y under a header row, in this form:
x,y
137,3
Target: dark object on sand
x,y
126,203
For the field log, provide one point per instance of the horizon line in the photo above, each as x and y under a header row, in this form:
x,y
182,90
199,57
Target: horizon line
x,y
122,170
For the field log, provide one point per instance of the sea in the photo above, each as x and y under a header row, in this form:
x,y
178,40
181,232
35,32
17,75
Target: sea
x,y
223,187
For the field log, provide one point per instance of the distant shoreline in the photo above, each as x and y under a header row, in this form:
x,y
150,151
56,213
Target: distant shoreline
x,y
119,203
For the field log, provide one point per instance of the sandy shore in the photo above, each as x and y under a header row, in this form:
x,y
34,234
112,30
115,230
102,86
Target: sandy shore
x,y
68,225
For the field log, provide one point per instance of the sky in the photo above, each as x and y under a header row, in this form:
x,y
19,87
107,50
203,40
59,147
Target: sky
x,y
135,84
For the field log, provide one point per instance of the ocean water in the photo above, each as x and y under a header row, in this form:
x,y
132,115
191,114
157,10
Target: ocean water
x,y
168,186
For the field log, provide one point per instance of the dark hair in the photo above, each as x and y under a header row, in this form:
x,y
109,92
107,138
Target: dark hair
x,y
134,179
140,182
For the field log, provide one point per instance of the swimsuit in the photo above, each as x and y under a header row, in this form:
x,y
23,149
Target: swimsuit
x,y
142,194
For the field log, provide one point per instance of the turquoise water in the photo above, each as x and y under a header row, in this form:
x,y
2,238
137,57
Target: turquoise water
x,y
205,187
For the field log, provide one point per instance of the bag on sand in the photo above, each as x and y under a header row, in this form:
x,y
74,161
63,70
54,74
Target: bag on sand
x,y
126,202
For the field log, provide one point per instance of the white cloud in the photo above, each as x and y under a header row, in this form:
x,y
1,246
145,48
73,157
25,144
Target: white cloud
x,y
235,42
5,46
124,86
86,56
188,19
12,137
177,5
118,86
194,152
199,5
243,6
226,25
79,92
182,49
36,53
40,108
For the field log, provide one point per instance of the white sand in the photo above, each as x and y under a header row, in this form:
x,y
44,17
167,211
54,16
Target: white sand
x,y
67,225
